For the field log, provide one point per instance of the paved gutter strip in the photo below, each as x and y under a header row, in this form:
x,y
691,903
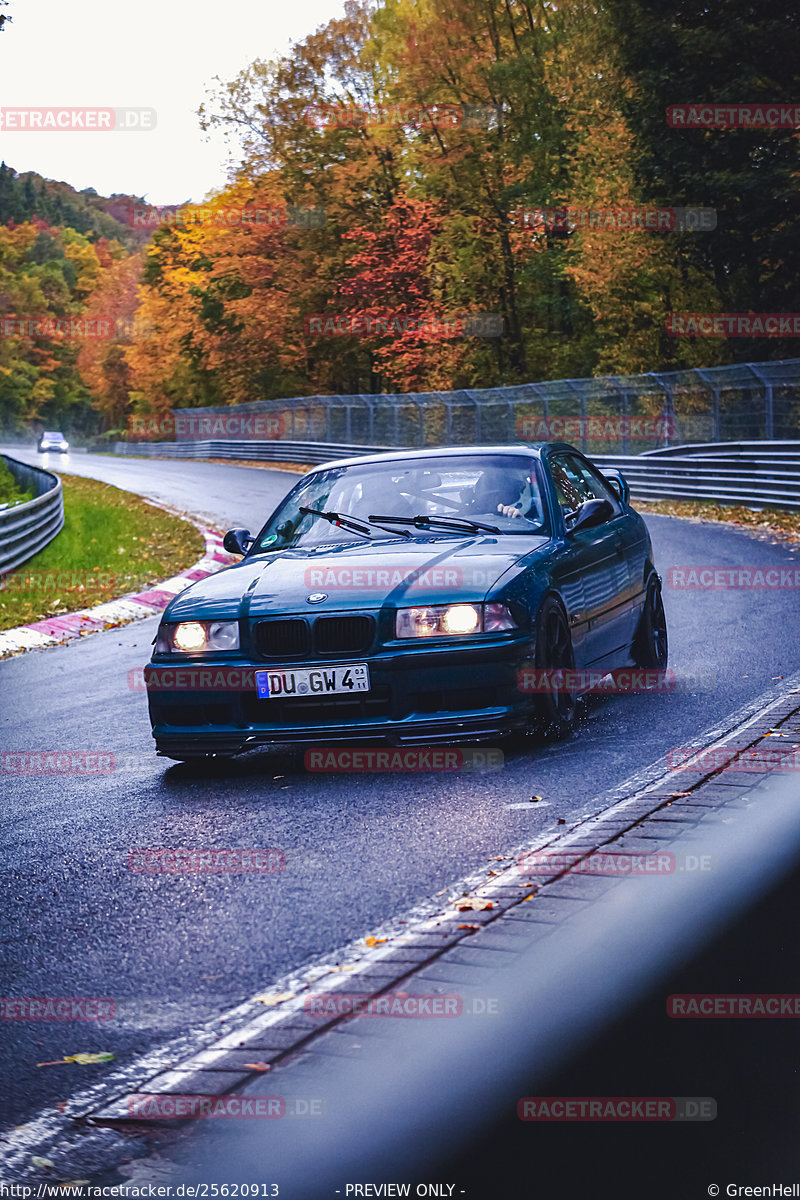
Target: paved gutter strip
x,y
54,631
431,957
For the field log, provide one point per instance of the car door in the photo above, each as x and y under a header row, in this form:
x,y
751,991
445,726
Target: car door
x,y
590,567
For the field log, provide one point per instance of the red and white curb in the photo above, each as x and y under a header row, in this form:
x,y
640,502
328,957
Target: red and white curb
x,y
56,630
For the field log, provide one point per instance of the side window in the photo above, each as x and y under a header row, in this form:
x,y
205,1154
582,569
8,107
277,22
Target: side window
x,y
576,482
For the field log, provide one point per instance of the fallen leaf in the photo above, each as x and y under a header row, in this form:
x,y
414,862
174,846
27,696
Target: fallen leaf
x,y
535,798
561,821
83,1060
259,1066
371,941
275,998
36,1161
470,927
475,903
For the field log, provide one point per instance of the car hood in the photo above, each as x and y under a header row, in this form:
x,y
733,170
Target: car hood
x,y
357,576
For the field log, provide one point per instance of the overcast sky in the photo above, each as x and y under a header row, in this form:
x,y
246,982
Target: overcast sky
x,y
109,53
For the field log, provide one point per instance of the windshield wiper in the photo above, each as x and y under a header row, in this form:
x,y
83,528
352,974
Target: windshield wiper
x,y
348,522
439,522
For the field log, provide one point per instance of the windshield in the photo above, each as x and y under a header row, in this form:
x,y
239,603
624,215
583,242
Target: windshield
x,y
494,489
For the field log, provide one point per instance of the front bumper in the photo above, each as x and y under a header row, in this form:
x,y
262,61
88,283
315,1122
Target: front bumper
x,y
441,694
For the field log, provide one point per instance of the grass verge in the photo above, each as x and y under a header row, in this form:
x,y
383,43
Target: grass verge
x,y
112,543
780,523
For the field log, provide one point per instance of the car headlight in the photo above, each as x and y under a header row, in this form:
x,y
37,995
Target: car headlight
x,y
453,620
190,637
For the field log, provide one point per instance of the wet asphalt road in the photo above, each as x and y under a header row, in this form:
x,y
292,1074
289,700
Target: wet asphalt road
x,y
359,850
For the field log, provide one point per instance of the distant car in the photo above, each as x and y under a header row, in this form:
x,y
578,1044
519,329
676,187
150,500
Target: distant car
x,y
52,441
400,598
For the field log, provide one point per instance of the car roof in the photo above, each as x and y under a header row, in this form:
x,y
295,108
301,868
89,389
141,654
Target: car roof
x,y
534,449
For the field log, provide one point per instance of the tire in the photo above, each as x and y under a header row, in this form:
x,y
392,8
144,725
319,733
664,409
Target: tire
x,y
651,646
557,709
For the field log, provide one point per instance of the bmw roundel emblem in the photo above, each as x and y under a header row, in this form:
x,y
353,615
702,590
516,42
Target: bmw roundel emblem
x,y
316,597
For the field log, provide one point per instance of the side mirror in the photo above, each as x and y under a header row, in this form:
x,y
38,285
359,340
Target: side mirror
x,y
618,484
592,513
237,541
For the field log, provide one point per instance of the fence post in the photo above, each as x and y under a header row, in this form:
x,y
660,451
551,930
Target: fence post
x,y
769,407
716,420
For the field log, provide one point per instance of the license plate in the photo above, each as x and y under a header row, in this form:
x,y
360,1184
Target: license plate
x,y
344,679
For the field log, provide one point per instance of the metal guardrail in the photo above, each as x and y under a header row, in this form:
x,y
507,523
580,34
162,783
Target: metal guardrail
x,y
748,473
237,449
27,528
752,481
